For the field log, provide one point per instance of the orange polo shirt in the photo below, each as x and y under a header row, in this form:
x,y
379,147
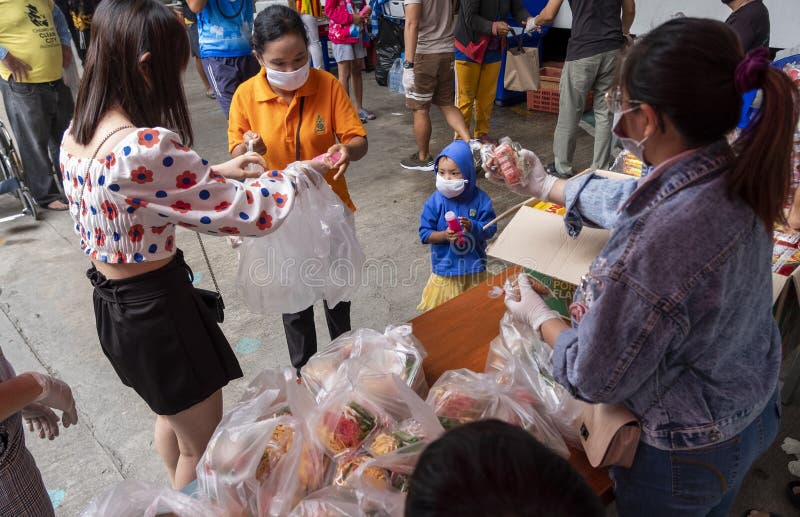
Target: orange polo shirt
x,y
327,115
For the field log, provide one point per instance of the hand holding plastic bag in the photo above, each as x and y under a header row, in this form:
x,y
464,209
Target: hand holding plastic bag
x,y
521,359
283,273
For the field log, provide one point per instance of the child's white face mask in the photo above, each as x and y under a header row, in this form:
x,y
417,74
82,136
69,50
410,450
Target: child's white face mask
x,y
450,188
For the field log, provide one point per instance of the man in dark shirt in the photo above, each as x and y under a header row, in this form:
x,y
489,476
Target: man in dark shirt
x,y
599,31
750,21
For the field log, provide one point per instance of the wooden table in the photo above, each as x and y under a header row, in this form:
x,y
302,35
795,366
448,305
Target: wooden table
x,y
457,335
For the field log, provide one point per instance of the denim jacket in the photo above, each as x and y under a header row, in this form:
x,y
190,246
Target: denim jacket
x,y
678,324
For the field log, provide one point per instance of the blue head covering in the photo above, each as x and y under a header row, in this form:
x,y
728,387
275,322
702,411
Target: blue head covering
x,y
460,152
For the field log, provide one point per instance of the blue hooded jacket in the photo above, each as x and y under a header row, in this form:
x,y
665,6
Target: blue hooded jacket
x,y
449,259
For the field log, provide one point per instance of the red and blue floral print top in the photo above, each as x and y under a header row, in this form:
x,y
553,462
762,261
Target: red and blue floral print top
x,y
136,194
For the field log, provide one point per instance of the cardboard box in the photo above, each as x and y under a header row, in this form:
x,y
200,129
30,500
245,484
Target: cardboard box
x,y
537,240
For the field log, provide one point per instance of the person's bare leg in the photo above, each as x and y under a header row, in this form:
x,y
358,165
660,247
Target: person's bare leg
x,y
194,427
198,64
358,85
167,446
422,131
344,69
456,121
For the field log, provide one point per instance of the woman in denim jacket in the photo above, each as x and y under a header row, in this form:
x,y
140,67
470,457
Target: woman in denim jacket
x,y
674,318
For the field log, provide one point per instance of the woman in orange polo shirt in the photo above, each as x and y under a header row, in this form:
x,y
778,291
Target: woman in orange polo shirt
x,y
293,112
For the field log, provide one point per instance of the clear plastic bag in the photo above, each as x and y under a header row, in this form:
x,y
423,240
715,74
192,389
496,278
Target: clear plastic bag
x,y
263,462
347,420
367,352
315,254
462,396
381,483
264,397
132,498
521,360
329,502
504,162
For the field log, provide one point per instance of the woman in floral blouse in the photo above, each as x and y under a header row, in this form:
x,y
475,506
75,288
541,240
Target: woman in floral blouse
x,y
130,181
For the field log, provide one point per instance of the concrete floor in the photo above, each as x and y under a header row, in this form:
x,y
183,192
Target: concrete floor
x,y
46,319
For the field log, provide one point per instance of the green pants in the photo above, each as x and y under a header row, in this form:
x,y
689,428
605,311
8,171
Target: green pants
x,y
579,77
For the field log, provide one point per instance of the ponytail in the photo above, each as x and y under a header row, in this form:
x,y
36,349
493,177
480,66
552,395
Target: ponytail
x,y
692,70
763,170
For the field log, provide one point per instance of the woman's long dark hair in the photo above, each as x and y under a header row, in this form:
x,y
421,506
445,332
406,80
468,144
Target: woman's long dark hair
x,y
686,70
150,92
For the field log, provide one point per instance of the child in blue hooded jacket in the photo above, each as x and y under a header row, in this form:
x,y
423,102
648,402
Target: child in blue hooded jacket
x,y
457,264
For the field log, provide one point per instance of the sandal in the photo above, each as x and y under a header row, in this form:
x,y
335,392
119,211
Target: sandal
x,y
210,94
365,115
56,206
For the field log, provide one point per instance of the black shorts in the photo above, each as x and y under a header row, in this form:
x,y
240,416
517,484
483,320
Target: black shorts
x,y
161,338
194,39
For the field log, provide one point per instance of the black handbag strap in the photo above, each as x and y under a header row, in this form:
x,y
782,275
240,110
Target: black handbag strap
x,y
208,263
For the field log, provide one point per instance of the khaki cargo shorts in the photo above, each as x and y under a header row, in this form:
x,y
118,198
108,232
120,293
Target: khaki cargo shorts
x,y
434,81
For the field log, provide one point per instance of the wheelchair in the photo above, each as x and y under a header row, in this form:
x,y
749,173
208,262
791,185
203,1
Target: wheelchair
x,y
12,179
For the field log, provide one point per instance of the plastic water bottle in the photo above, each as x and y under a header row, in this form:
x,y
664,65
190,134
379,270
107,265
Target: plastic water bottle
x,y
396,76
253,166
455,226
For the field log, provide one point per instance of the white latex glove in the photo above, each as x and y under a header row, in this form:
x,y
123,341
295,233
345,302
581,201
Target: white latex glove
x,y
57,395
539,182
41,419
530,25
530,308
408,79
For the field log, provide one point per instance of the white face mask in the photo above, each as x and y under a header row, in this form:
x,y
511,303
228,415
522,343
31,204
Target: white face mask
x,y
450,188
288,81
633,146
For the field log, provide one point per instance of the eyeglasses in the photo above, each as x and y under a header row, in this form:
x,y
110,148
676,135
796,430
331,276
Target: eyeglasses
x,y
614,101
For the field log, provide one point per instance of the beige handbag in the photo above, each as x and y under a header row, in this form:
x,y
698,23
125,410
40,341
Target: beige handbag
x,y
609,434
522,68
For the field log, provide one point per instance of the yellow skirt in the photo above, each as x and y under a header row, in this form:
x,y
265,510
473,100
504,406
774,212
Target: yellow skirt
x,y
440,289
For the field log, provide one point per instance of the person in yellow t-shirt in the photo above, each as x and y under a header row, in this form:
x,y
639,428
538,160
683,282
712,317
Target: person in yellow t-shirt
x,y
34,48
292,112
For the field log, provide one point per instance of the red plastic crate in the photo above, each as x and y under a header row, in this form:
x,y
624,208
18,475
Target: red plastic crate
x,y
546,98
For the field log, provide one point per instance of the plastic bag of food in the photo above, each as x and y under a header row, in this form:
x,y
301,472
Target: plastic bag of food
x,y
381,483
264,397
132,498
411,421
331,501
504,162
522,360
281,273
263,467
367,352
345,421
462,396
408,424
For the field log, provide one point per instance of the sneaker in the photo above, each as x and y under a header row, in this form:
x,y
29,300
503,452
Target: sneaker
x,y
413,162
550,169
365,114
